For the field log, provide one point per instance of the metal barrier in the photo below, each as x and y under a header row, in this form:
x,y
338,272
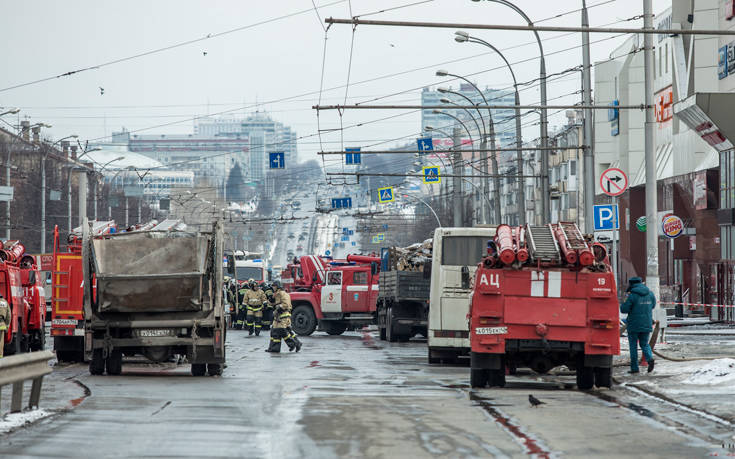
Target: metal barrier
x,y
16,369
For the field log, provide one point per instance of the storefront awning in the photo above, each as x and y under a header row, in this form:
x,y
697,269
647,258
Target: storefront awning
x,y
709,114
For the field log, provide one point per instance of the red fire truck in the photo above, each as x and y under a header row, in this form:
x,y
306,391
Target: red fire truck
x,y
543,297
337,295
22,286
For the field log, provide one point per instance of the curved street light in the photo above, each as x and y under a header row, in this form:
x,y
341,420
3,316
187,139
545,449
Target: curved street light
x,y
545,204
464,37
427,205
493,157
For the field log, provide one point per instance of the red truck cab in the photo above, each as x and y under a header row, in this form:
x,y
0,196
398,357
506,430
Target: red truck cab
x,y
336,295
22,287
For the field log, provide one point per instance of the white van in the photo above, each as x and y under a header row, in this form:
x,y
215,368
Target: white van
x,y
456,254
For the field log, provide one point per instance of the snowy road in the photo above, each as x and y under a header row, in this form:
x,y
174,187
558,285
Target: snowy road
x,y
348,396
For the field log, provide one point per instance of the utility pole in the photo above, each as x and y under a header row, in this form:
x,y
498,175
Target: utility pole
x,y
652,281
43,202
496,171
82,196
457,180
589,154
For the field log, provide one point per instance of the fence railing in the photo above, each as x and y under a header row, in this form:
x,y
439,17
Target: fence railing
x,y
16,369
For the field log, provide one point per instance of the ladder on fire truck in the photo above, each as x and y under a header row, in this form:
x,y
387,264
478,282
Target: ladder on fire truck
x,y
542,244
573,235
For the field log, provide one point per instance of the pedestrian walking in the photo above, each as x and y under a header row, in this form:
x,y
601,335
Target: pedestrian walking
x,y
639,306
281,329
4,322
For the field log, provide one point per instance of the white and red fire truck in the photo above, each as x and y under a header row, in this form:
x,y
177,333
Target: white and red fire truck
x,y
335,295
543,297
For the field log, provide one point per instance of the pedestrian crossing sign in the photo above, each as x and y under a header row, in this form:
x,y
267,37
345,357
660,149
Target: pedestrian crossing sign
x,y
432,174
386,195
375,240
381,237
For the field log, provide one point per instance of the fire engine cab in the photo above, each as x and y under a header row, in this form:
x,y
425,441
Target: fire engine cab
x,y
337,295
543,297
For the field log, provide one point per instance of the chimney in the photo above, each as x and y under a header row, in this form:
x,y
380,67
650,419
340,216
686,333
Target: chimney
x,y
65,148
25,127
36,133
74,152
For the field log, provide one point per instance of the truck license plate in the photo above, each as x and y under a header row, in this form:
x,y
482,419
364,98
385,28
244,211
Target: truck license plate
x,y
149,333
491,330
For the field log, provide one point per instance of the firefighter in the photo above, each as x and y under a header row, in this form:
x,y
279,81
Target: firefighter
x,y
639,306
255,301
232,299
268,309
282,321
241,309
4,322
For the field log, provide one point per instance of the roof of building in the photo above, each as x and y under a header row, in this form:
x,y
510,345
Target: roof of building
x,y
108,157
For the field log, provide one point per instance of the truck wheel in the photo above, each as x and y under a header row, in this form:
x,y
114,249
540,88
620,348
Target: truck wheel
x,y
603,377
496,378
585,377
334,328
478,377
432,359
389,332
114,362
13,347
303,320
97,364
382,334
38,339
214,369
198,369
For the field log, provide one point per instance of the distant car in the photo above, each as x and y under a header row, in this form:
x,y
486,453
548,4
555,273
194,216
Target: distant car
x,y
300,248
291,235
296,204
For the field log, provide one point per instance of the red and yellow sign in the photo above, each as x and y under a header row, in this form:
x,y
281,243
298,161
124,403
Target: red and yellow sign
x,y
672,226
664,105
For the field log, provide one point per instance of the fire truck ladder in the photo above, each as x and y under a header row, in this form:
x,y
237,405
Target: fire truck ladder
x,y
574,237
542,244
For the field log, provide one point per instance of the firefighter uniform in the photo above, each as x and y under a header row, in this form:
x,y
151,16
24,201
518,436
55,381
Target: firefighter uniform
x,y
4,322
255,300
268,308
281,329
241,310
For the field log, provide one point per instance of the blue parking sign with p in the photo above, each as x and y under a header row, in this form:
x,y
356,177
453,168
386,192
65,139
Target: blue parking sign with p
x,y
606,217
277,160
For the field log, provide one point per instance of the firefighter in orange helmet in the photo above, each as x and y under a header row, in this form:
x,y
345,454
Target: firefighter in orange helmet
x,y
281,329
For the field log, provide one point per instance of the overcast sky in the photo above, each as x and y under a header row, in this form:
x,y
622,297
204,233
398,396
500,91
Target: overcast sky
x,y
276,65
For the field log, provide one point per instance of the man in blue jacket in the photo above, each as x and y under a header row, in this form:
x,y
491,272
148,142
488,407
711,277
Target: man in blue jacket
x,y
639,307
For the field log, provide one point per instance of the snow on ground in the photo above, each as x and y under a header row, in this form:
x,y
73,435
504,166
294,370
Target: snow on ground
x,y
713,372
14,420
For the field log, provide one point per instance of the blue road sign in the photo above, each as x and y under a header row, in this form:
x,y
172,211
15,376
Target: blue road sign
x,y
327,253
341,203
353,156
432,174
345,238
345,231
350,232
386,194
606,217
354,243
277,160
385,226
425,144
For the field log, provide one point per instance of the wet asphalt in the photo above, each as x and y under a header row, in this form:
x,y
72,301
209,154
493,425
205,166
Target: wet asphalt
x,y
341,396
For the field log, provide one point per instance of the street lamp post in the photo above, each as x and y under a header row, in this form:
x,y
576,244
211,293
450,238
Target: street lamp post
x,y
545,202
458,200
483,145
462,37
494,158
7,177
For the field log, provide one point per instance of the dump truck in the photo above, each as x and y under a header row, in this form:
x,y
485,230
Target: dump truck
x,y
543,296
156,294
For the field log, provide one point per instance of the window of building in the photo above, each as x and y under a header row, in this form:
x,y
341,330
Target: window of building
x,y
666,57
573,167
359,278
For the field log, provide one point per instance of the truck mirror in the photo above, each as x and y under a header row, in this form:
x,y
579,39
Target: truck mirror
x,y
373,268
465,277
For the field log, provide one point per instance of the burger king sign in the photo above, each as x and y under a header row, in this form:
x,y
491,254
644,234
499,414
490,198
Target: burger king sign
x,y
672,226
